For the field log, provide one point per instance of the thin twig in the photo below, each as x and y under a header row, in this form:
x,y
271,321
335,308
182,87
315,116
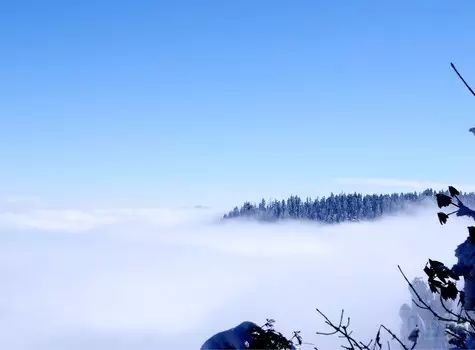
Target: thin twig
x,y
461,78
394,336
344,333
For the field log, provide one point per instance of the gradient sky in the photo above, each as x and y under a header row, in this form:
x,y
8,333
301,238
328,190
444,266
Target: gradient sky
x,y
215,102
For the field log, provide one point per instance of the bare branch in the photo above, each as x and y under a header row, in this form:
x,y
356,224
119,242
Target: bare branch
x,y
426,306
353,344
461,78
395,337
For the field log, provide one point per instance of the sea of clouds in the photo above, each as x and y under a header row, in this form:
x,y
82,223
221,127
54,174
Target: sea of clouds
x,y
155,278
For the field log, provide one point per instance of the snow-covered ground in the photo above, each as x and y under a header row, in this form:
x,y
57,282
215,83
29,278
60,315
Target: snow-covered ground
x,y
170,278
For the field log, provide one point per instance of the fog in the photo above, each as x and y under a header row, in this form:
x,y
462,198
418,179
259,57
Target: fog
x,y
170,278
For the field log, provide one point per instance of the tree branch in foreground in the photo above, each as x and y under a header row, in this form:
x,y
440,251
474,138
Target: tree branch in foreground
x,y
461,78
343,331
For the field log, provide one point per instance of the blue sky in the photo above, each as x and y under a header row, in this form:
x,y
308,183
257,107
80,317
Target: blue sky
x,y
215,102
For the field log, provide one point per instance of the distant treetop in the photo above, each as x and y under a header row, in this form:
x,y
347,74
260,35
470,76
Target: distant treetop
x,y
335,208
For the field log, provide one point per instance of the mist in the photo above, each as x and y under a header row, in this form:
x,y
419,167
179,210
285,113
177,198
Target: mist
x,y
170,278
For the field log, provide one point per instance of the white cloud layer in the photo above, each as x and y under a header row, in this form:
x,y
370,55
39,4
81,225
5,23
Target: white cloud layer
x,y
161,278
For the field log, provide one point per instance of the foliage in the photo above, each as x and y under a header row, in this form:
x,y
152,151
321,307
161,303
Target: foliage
x,y
266,337
442,280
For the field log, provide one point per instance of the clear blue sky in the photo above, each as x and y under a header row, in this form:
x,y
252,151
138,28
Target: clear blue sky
x,y
214,102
